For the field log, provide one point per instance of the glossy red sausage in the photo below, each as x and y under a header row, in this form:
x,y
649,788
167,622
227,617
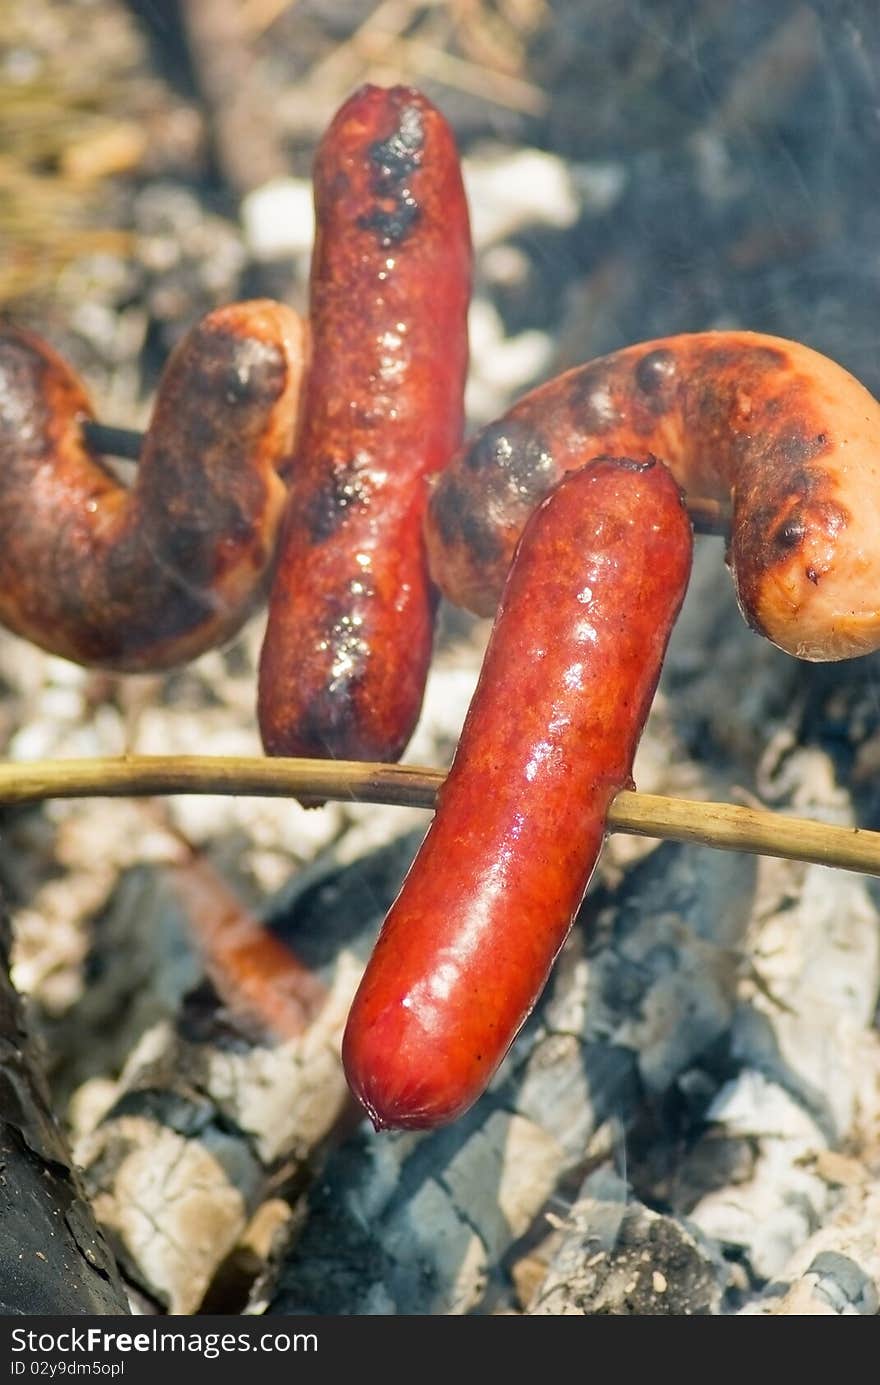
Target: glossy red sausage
x,y
351,612
549,739
787,435
149,577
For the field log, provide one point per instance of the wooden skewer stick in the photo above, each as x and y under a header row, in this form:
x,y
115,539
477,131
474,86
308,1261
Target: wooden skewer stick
x,y
723,825
115,442
708,516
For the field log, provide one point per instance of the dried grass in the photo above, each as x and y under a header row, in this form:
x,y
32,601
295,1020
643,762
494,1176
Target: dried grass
x,y
61,136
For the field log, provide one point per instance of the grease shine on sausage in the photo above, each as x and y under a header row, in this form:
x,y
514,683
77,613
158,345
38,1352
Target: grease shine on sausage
x,y
147,578
549,739
788,435
351,613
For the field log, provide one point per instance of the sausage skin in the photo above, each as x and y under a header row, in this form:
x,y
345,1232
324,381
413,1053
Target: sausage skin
x,y
147,577
351,611
785,433
549,739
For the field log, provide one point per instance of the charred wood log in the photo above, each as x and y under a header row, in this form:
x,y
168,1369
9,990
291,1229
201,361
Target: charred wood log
x,y
54,1259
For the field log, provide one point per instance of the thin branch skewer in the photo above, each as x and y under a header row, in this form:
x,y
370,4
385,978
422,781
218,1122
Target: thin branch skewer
x,y
726,826
114,442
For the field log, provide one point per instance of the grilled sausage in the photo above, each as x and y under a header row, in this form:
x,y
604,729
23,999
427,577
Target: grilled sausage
x,y
351,611
566,684
149,577
787,434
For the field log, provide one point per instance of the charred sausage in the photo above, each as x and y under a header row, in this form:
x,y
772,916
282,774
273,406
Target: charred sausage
x,y
147,577
785,433
351,612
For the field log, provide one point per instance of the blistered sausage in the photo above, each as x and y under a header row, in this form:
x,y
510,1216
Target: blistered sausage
x,y
351,611
147,577
784,433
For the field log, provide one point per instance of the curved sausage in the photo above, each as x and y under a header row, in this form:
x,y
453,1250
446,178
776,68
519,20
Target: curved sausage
x,y
789,435
351,612
566,684
147,577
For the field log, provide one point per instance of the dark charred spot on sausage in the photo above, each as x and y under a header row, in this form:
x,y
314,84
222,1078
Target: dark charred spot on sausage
x,y
393,161
656,377
344,491
748,360
326,716
458,521
781,455
593,406
196,437
189,564
447,505
183,599
810,516
396,157
242,386
795,448
481,541
512,453
234,370
789,535
392,226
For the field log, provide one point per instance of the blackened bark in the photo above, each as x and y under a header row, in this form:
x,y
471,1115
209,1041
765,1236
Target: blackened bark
x,y
52,1257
